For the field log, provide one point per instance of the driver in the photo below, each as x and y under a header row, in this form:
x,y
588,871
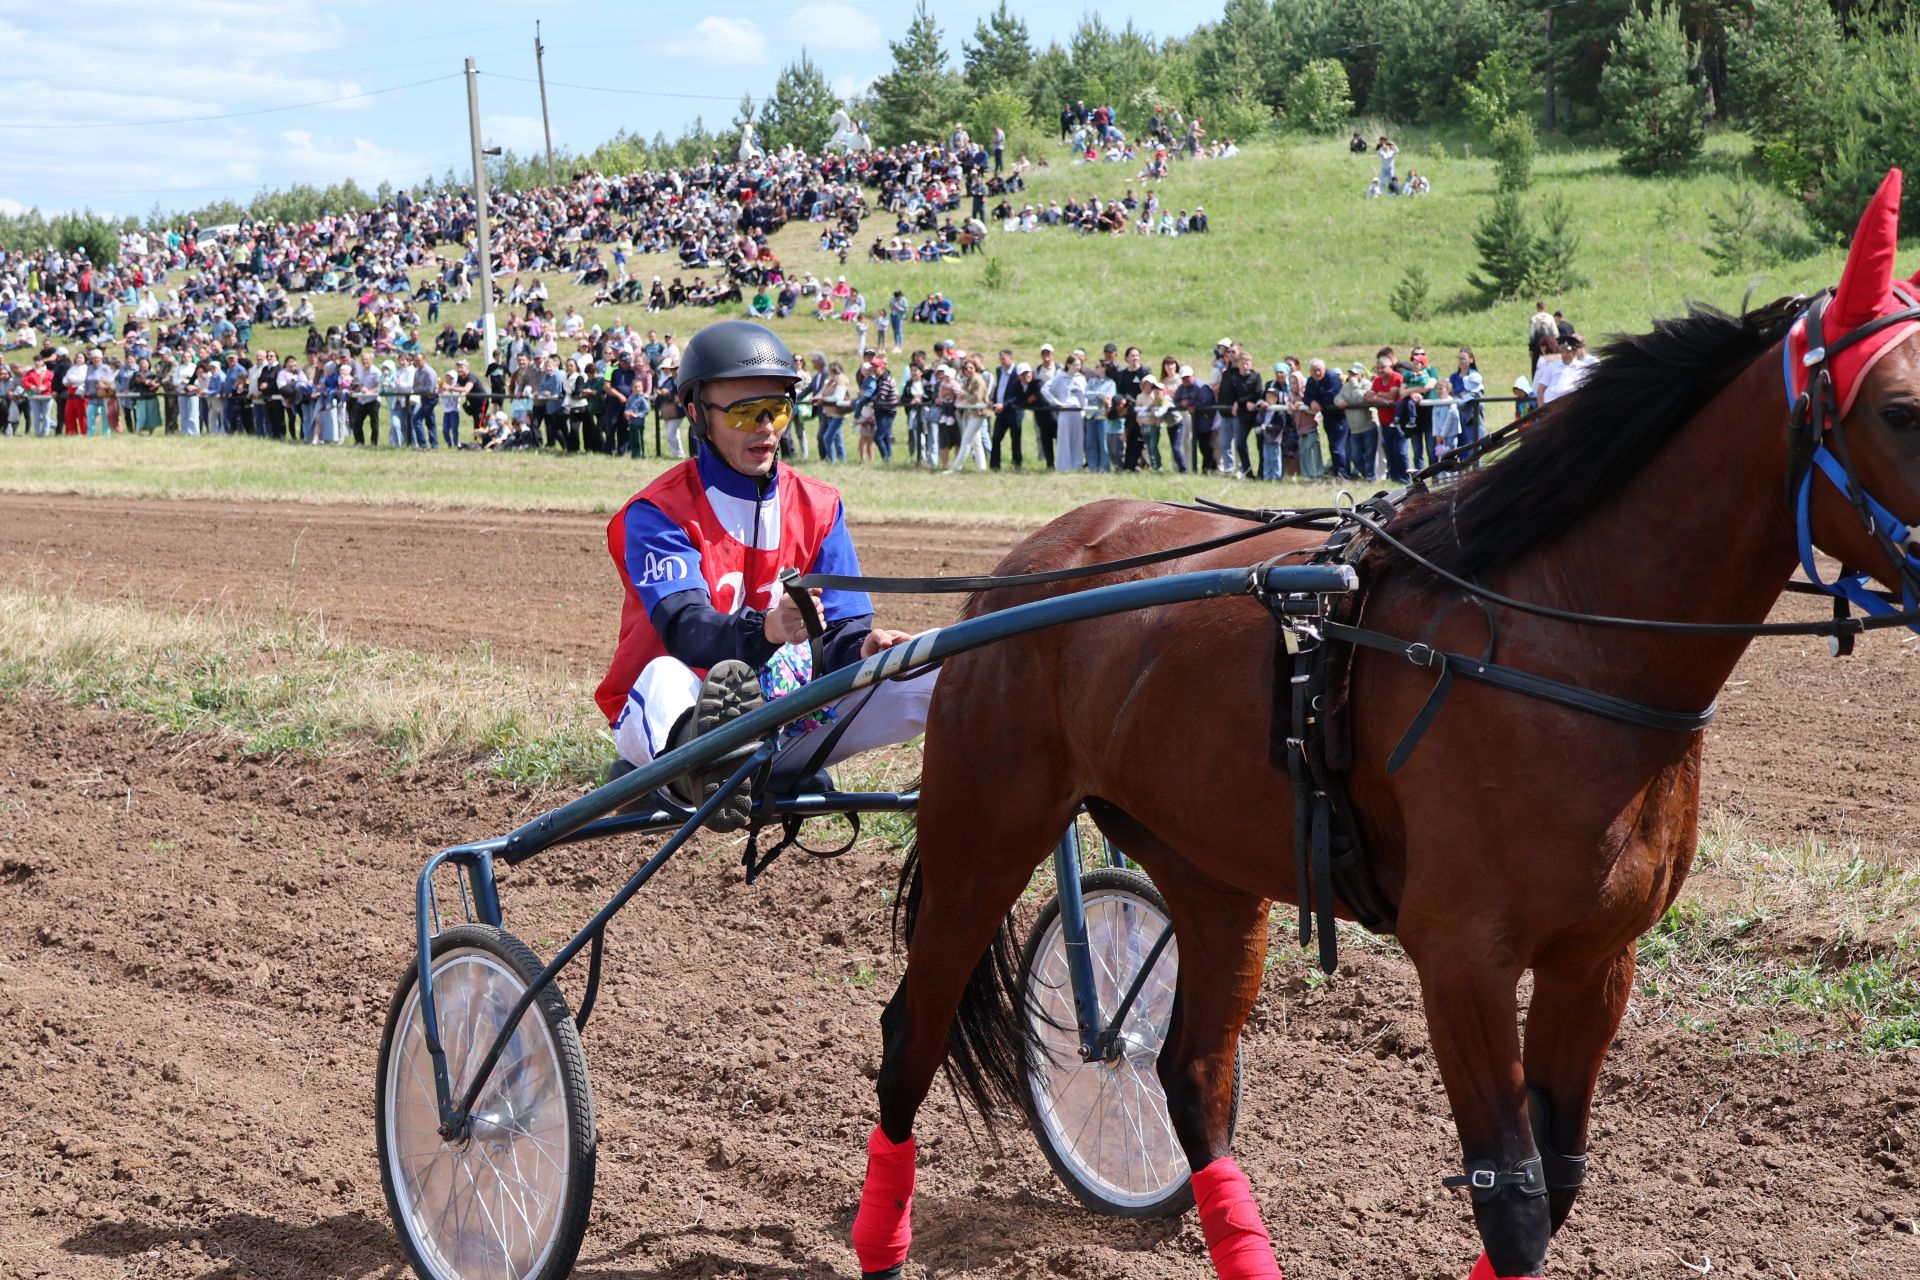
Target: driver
x,y
706,632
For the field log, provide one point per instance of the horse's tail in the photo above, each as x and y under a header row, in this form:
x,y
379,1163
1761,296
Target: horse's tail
x,y
990,1047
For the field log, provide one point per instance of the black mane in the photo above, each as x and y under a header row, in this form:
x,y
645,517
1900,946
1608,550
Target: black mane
x,y
1592,442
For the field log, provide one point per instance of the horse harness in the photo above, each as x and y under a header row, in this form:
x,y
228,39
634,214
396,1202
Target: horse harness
x,y
1310,737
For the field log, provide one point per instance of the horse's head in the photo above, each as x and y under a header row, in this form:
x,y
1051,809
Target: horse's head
x,y
1858,362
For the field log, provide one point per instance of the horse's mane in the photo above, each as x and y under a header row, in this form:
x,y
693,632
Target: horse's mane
x,y
1592,442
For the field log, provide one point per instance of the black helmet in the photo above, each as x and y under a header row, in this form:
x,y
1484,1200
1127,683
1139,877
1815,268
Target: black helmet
x,y
733,349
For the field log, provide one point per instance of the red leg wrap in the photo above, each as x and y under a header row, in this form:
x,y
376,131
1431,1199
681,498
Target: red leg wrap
x,y
1483,1270
1237,1240
883,1228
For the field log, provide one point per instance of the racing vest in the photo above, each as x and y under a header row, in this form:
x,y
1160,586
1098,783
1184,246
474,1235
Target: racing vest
x,y
735,575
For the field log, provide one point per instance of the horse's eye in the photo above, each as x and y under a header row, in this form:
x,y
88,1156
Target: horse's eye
x,y
1901,415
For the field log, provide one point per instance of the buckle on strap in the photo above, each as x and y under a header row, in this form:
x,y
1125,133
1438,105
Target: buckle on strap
x,y
1484,1179
1422,654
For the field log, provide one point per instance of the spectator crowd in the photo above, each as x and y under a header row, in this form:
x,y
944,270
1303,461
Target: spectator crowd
x,y
217,335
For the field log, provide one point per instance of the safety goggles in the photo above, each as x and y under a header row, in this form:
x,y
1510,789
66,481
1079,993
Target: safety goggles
x,y
750,414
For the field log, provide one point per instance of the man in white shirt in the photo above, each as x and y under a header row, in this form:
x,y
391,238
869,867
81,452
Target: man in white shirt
x,y
1560,374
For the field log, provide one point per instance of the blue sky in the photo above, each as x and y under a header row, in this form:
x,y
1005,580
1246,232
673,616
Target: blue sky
x,y
105,102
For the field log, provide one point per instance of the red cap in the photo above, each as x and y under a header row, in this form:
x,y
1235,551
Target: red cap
x,y
1865,294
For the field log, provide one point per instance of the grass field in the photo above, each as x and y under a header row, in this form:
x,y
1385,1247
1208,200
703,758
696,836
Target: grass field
x,y
241,468
1297,262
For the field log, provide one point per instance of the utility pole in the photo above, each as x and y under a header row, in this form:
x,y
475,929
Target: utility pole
x,y
489,331
540,69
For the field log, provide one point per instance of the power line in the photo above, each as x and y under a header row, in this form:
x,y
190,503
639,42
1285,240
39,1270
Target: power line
x,y
600,88
235,115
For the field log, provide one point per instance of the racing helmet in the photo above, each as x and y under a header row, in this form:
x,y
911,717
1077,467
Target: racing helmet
x,y
732,349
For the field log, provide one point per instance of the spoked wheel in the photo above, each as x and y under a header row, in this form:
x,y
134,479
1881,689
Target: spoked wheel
x,y
1103,1125
509,1202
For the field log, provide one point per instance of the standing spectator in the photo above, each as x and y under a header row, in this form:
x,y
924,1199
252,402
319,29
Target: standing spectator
x,y
613,410
1274,424
1066,394
973,403
897,308
635,412
1422,386
38,382
1045,424
426,391
1387,151
835,399
1009,400
671,411
465,387
1385,395
1154,410
1126,394
549,417
884,398
451,389
1343,409
1547,370
1099,419
1196,399
1469,392
1540,327
1240,398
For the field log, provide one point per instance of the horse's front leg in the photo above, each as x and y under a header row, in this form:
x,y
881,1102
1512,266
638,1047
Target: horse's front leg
x,y
1575,1011
1468,984
1223,946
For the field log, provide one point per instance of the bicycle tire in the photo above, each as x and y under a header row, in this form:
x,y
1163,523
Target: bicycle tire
x,y
511,1201
1123,905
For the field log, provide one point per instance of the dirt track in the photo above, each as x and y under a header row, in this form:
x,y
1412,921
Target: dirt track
x,y
195,953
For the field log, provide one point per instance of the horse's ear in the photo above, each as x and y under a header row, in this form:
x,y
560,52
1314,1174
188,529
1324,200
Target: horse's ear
x,y
1869,271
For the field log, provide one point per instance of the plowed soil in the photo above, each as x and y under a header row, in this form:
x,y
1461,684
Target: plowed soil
x,y
196,951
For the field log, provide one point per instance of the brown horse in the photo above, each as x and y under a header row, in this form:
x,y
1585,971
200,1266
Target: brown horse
x,y
1519,836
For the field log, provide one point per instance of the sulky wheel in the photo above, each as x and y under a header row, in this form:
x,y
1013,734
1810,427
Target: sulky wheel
x,y
510,1201
1103,1125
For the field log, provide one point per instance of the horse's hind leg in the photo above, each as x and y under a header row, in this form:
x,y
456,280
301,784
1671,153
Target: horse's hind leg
x,y
1574,1016
979,840
1469,987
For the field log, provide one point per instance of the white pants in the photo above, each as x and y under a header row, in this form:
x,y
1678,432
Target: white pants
x,y
1069,445
973,441
667,689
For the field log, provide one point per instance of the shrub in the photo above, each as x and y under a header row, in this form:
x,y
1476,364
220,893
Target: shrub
x,y
1507,244
1513,150
1409,299
1654,112
1318,100
1492,97
1239,115
1878,128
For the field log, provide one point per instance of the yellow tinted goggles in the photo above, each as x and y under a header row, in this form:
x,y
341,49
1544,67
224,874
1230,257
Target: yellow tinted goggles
x,y
752,414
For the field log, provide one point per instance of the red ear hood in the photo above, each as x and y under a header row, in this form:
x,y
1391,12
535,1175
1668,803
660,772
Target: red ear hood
x,y
1866,285
1865,294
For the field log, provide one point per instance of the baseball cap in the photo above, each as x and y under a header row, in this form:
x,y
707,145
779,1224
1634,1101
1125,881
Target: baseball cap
x,y
1356,368
1046,346
1149,380
1279,366
1224,342
1186,371
1023,368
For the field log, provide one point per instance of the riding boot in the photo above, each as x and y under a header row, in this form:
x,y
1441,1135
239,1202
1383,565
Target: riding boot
x,y
731,690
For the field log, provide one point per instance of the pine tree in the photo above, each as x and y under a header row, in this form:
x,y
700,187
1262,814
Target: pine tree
x,y
921,98
1654,112
1555,249
796,113
1506,241
999,56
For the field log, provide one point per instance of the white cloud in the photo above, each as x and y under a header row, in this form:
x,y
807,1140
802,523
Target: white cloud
x,y
316,160
847,88
832,25
516,133
11,208
718,42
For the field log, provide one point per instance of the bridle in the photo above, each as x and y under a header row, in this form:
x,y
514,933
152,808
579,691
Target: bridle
x,y
1819,442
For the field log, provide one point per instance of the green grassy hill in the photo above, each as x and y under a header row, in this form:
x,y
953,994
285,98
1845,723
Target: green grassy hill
x,y
1297,263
